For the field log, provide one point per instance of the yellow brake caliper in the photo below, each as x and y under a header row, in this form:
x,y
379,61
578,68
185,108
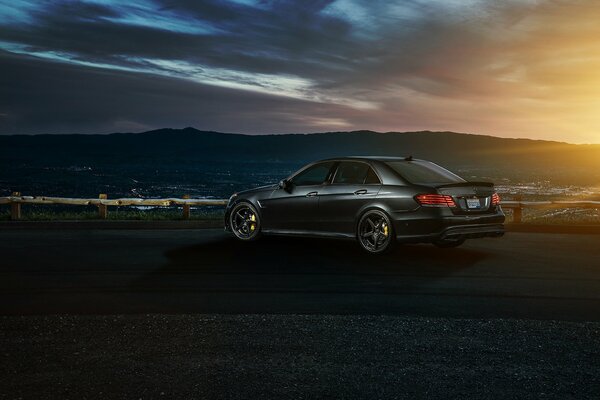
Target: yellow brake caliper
x,y
385,230
253,222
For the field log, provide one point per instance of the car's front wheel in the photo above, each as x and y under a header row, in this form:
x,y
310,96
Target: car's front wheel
x,y
375,232
244,221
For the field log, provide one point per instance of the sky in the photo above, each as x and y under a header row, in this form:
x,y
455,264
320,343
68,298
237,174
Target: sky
x,y
511,68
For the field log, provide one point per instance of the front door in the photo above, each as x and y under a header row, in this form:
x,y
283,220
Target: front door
x,y
297,210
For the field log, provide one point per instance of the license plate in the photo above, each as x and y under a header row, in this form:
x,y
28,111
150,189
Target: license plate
x,y
473,203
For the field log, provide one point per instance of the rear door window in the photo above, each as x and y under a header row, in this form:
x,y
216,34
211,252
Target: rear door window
x,y
355,173
372,178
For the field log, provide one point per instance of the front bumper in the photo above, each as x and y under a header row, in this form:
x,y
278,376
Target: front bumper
x,y
226,226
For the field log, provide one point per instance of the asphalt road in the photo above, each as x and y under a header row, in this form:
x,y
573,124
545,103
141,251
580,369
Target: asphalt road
x,y
522,275
192,313
296,357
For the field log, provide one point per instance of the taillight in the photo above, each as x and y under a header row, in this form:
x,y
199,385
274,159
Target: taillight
x,y
435,200
495,199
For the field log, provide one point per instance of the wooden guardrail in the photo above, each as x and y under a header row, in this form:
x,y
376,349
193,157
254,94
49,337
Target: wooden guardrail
x,y
518,205
103,202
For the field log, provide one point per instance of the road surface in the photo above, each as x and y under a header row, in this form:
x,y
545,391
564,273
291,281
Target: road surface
x,y
195,314
103,271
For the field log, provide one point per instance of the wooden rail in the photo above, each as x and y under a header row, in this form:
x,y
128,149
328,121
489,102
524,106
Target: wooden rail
x,y
102,202
518,206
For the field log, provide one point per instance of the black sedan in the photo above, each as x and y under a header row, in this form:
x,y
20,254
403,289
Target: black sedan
x,y
376,200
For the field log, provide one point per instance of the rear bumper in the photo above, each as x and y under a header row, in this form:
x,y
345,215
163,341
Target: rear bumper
x,y
431,225
472,231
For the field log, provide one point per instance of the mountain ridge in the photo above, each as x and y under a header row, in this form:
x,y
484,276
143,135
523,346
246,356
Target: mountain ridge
x,y
189,145
190,129
213,163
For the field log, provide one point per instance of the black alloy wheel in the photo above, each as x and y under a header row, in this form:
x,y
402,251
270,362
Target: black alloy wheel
x,y
375,232
244,221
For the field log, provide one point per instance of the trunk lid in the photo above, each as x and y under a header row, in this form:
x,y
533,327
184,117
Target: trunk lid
x,y
470,197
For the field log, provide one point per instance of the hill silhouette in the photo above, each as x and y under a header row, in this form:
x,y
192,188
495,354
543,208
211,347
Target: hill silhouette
x,y
488,155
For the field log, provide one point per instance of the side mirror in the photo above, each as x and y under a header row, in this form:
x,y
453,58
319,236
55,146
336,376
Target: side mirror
x,y
286,185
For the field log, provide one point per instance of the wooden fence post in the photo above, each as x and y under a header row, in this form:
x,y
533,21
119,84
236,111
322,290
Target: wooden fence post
x,y
102,208
15,208
186,207
518,211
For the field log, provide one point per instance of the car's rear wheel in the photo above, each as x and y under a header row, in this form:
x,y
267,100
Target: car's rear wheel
x,y
447,243
375,232
244,221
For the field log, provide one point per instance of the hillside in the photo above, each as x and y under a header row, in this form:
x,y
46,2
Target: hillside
x,y
168,152
192,143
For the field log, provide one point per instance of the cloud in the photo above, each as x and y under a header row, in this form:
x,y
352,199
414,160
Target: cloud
x,y
53,97
514,68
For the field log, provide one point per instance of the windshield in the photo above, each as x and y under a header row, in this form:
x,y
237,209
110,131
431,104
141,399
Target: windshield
x,y
424,172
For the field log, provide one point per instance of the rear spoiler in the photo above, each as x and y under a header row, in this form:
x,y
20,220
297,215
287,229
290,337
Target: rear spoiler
x,y
460,184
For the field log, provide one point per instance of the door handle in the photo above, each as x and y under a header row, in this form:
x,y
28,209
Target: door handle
x,y
361,191
311,194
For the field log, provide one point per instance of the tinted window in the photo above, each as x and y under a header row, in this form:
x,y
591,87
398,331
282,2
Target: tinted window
x,y
314,175
371,178
423,172
354,173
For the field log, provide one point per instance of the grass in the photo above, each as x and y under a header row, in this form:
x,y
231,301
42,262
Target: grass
x,y
32,213
568,216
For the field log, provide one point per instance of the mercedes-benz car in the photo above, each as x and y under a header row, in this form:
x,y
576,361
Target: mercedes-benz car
x,y
377,201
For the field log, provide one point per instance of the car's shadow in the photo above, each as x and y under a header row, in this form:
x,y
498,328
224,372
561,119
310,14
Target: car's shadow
x,y
296,275
282,255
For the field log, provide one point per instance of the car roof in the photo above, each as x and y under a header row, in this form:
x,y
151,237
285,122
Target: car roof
x,y
372,158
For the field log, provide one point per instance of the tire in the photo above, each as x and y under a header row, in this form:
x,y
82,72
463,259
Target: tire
x,y
375,232
244,222
449,243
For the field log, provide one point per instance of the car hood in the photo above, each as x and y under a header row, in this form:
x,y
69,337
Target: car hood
x,y
265,188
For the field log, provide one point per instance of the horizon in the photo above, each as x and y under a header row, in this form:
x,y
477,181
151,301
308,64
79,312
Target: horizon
x,y
518,69
297,133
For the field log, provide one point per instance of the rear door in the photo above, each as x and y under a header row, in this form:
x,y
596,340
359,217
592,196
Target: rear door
x,y
354,184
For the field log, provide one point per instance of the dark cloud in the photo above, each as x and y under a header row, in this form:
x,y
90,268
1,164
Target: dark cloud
x,y
291,38
54,97
513,68
286,37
